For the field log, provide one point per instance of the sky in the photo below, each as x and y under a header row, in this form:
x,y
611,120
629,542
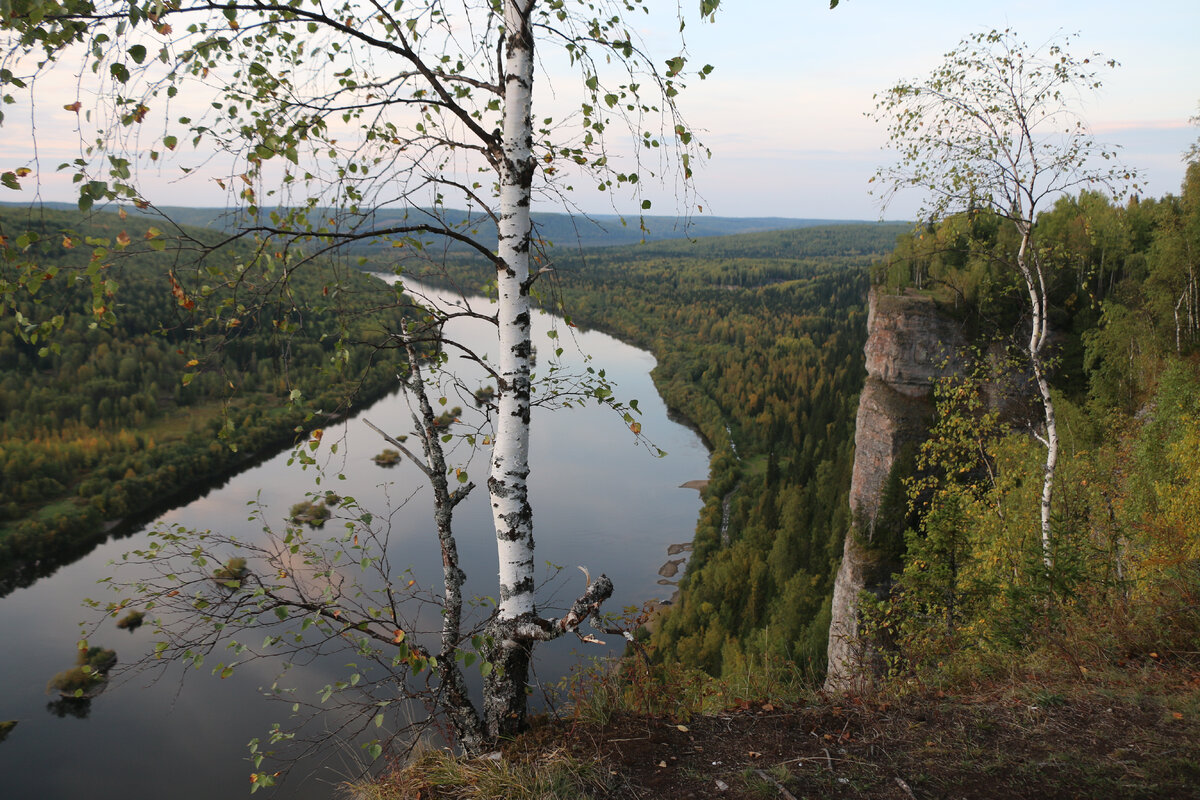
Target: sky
x,y
783,111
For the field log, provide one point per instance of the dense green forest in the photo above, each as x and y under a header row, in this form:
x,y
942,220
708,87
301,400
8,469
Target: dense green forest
x,y
135,362
973,589
759,341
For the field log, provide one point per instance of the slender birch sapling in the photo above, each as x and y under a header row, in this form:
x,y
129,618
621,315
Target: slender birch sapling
x,y
998,127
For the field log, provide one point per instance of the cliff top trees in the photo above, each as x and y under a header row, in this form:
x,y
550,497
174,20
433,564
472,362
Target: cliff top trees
x,y
997,127
360,122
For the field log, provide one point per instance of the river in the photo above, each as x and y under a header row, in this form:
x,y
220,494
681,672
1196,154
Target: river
x,y
600,500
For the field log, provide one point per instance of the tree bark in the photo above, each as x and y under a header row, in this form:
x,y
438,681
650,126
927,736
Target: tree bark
x,y
1035,282
504,699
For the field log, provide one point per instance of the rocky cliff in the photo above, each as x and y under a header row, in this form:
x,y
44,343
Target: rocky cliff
x,y
910,344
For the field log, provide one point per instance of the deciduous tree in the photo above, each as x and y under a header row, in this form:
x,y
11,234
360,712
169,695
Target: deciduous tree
x,y
358,123
998,127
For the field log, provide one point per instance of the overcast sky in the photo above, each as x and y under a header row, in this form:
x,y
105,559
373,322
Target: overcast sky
x,y
783,113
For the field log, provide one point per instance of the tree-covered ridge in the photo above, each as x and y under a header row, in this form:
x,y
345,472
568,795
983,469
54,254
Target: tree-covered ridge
x,y
759,342
119,400
1124,300
764,355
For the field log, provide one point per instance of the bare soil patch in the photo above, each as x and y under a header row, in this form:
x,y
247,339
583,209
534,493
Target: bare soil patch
x,y
1138,737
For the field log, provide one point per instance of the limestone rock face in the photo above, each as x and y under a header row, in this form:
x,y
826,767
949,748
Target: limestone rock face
x,y
910,344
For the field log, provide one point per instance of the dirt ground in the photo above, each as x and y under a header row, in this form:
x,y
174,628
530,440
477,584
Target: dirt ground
x,y
1137,736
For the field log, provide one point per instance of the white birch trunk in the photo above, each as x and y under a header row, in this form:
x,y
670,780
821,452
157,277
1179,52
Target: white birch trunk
x,y
1035,283
511,513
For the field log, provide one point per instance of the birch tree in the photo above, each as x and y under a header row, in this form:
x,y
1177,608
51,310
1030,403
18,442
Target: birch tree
x,y
362,122
998,126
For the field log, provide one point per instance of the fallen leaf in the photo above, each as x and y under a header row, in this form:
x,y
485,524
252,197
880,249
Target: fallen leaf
x,y
683,728
662,763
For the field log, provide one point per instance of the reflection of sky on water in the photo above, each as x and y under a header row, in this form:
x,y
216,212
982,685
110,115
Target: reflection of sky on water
x,y
599,501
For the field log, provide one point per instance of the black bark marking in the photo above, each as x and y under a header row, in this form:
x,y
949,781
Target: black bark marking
x,y
522,586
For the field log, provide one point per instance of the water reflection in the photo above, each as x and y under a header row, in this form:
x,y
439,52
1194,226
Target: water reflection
x,y
599,501
77,707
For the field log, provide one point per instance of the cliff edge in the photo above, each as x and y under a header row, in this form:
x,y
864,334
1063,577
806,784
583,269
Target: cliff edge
x,y
910,344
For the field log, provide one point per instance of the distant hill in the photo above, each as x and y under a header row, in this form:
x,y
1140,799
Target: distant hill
x,y
563,230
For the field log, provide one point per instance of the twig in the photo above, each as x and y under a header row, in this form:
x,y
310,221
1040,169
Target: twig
x,y
396,443
829,760
770,779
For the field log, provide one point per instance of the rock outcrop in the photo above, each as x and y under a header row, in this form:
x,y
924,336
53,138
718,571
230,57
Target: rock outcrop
x,y
910,344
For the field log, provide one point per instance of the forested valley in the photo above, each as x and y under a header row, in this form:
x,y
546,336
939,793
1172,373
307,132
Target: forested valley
x,y
172,368
759,342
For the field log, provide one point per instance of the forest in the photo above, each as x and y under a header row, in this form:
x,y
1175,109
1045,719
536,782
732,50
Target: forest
x,y
171,370
759,343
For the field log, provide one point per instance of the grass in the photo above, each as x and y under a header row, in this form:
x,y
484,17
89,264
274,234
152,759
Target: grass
x,y
171,426
514,774
600,690
1128,728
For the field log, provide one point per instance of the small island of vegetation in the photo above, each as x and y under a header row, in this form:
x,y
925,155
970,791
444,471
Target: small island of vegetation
x,y
89,675
131,621
309,513
387,458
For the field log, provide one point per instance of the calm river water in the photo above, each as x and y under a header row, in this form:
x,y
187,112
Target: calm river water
x,y
600,500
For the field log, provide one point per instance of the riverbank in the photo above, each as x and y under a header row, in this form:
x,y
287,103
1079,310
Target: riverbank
x,y
158,475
